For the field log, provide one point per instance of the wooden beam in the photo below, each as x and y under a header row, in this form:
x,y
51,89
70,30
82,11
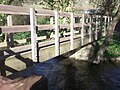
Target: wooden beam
x,y
13,29
77,25
96,29
33,35
44,12
64,14
82,30
45,27
10,37
72,31
57,45
63,26
8,9
90,29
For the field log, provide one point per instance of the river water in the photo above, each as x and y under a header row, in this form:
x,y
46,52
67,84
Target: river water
x,y
70,74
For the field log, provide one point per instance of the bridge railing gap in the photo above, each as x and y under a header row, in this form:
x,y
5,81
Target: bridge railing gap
x,y
93,23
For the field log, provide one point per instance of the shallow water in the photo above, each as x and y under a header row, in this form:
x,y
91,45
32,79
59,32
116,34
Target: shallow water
x,y
68,74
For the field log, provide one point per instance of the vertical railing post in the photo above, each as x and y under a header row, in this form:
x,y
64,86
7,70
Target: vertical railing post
x,y
57,43
10,41
51,23
82,30
108,20
33,34
64,22
90,30
72,32
51,20
96,31
101,24
105,29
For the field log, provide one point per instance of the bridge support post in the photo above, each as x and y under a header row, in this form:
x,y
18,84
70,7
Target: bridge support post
x,y
57,43
96,29
82,30
105,21
101,25
90,30
33,35
72,32
10,41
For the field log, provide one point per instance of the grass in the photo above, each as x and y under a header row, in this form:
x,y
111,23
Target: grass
x,y
113,48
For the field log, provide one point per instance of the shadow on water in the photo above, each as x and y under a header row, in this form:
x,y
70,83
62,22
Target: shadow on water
x,y
69,74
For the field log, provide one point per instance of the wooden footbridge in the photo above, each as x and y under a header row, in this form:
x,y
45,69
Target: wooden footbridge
x,y
75,28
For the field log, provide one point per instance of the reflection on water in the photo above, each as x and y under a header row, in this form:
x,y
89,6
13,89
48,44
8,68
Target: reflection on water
x,y
77,75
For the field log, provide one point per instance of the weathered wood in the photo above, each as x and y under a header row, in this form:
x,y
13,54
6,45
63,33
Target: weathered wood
x,y
24,28
105,28
77,15
82,30
72,32
77,25
13,29
45,27
96,29
63,26
33,35
8,9
44,12
10,37
64,14
90,30
57,45
101,24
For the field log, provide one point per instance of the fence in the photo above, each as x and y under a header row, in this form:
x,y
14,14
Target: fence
x,y
87,24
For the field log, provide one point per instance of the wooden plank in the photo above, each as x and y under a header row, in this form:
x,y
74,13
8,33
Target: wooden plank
x,y
44,12
10,37
24,28
90,30
13,29
33,35
82,30
63,26
64,14
42,38
45,27
105,29
77,15
72,31
96,29
77,25
57,46
8,9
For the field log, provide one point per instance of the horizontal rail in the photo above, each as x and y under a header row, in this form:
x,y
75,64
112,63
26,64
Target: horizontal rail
x,y
13,29
62,26
26,28
45,27
44,12
77,25
7,9
64,14
77,15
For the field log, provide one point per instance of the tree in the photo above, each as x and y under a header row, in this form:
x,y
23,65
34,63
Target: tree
x,y
116,17
60,5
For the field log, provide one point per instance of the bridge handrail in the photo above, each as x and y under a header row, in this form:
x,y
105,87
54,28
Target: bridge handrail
x,y
17,10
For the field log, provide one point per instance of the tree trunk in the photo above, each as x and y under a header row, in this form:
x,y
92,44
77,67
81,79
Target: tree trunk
x,y
110,30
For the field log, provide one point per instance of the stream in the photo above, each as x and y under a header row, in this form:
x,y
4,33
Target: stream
x,y
70,74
